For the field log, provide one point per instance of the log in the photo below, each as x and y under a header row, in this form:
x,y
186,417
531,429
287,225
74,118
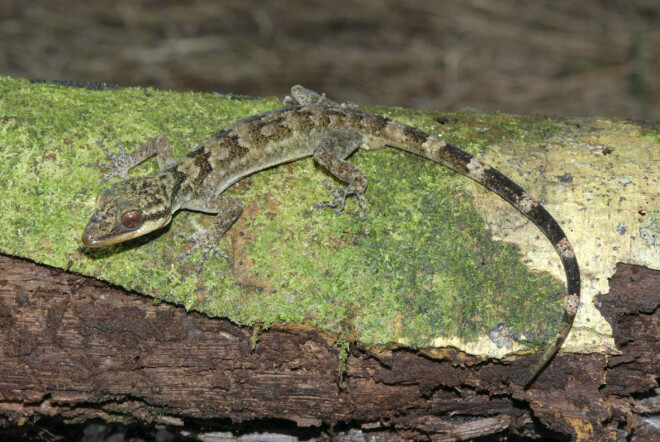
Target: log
x,y
75,349
416,324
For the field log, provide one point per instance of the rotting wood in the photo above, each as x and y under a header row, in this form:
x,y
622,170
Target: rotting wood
x,y
73,348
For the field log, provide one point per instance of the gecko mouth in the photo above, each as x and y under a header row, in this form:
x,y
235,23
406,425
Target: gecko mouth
x,y
92,242
89,241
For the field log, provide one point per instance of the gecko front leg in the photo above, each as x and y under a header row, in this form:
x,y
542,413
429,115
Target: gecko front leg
x,y
121,163
331,153
206,240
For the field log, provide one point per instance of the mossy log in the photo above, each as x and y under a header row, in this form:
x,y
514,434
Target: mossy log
x,y
418,323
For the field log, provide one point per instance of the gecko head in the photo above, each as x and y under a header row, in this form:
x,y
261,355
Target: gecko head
x,y
129,209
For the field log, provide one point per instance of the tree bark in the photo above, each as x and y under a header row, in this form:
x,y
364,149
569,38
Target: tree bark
x,y
73,348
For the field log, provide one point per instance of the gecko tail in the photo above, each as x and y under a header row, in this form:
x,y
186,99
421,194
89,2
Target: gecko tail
x,y
428,146
433,148
550,352
497,182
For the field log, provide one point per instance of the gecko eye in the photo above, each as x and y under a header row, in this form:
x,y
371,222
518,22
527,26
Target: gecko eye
x,y
132,219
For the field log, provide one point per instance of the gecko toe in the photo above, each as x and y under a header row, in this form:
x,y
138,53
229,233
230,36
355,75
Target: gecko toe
x,y
339,202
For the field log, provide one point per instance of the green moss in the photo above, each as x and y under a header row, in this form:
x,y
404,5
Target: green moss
x,y
652,132
421,266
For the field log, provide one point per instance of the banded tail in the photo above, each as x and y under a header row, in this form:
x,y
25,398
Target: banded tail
x,y
415,141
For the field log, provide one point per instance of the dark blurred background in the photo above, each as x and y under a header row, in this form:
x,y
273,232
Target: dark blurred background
x,y
560,57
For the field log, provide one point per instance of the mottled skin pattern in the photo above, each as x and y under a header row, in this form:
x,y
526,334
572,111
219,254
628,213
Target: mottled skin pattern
x,y
312,126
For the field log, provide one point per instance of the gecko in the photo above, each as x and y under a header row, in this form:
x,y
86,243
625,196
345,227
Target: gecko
x,y
309,125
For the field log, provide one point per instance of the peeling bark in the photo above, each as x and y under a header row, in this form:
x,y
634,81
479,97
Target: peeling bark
x,y
73,348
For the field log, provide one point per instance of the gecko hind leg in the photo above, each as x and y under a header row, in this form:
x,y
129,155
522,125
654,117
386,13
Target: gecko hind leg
x,y
331,153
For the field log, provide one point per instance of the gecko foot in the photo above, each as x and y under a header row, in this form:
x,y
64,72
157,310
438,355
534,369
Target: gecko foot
x,y
340,198
202,241
119,164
